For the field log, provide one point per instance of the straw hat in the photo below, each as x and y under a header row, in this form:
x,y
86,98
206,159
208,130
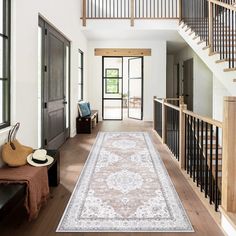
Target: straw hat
x,y
39,158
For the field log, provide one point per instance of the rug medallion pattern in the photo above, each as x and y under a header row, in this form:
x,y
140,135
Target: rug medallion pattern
x,y
124,187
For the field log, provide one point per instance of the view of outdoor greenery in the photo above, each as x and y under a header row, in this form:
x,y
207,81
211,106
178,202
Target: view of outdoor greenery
x,y
112,85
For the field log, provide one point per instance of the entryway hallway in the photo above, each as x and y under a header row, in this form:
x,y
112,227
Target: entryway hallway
x,y
73,156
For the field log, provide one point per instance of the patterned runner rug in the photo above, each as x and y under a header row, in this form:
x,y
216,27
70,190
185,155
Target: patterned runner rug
x,y
124,187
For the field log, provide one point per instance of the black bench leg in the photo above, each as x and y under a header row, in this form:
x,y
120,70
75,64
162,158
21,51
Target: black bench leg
x,y
54,173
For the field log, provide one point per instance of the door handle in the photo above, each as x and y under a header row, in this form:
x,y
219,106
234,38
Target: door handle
x,y
64,102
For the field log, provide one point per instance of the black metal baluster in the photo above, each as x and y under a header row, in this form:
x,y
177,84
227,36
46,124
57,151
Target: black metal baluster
x,y
191,147
189,144
178,135
232,38
194,149
211,171
197,157
185,140
206,157
154,9
216,170
201,157
88,7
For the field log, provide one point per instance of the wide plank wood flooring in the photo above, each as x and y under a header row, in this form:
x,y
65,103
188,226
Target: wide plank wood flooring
x,y
73,156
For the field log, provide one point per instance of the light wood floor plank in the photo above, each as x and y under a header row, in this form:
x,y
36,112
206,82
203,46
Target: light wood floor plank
x,y
73,156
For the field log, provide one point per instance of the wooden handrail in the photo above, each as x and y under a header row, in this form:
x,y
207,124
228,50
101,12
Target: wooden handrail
x,y
171,106
203,118
172,99
222,4
187,112
160,100
167,99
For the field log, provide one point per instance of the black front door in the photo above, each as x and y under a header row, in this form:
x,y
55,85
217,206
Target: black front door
x,y
55,87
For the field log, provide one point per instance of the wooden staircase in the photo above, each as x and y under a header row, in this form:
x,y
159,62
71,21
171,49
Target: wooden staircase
x,y
219,166
213,27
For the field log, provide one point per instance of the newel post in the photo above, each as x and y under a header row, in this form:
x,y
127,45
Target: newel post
x,y
182,107
84,12
154,113
132,12
164,117
229,155
181,100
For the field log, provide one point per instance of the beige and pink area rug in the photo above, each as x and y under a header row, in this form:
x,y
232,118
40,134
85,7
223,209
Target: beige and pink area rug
x,y
124,187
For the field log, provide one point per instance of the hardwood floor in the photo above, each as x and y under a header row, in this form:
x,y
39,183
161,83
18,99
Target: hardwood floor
x,y
73,156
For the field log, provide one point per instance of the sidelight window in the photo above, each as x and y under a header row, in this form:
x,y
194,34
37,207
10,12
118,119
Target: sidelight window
x,y
5,63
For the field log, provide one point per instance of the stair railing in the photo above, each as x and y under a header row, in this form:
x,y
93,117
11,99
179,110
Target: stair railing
x,y
130,10
204,147
195,141
214,22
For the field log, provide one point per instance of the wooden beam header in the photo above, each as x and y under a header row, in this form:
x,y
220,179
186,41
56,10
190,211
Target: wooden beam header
x,y
125,52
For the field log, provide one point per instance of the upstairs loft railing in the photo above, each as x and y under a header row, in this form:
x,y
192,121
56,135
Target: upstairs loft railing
x,y
214,22
130,9
203,147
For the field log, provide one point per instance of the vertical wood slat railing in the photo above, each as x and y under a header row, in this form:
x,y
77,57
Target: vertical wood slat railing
x,y
215,23
194,141
130,9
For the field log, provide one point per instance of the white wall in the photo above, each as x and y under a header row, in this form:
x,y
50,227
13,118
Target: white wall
x,y
154,72
219,91
202,82
64,15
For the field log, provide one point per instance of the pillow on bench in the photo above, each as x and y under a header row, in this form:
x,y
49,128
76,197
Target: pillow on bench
x,y
84,109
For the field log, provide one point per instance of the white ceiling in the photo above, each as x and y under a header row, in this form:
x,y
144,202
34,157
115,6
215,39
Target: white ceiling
x,y
174,40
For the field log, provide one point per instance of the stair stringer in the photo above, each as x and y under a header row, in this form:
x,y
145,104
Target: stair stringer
x,y
198,46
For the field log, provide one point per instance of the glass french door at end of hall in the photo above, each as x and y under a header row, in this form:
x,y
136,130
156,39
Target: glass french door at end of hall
x,y
112,88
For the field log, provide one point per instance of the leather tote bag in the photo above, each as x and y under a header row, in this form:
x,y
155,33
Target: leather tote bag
x,y
13,153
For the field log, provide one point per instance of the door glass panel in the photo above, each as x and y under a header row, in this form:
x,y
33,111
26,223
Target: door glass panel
x,y
3,58
112,110
39,87
113,66
1,16
112,88
4,101
135,89
135,98
135,68
67,88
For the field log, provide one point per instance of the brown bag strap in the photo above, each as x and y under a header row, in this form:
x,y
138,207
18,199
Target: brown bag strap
x,y
12,132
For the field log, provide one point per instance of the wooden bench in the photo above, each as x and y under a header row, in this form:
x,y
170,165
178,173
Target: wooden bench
x,y
84,125
14,194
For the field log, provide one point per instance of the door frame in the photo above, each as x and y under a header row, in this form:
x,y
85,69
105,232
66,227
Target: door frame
x,y
42,22
142,74
103,83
